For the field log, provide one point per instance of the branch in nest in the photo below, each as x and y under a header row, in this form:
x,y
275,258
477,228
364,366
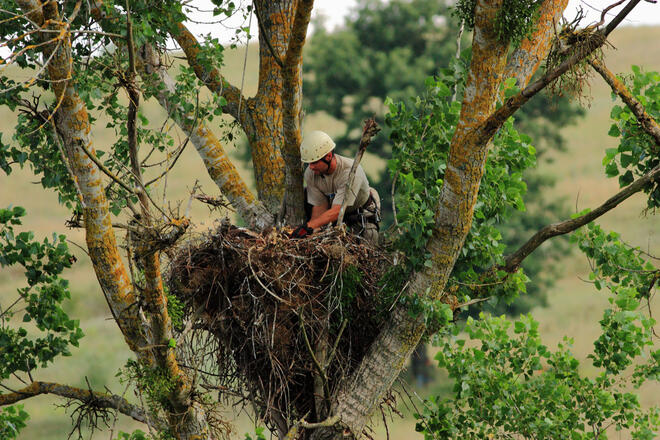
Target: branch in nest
x,y
215,202
294,431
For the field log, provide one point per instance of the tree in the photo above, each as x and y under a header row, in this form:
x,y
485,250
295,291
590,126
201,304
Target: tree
x,y
55,43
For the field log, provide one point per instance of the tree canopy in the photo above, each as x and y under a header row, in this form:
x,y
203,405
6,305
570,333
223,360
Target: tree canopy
x,y
458,160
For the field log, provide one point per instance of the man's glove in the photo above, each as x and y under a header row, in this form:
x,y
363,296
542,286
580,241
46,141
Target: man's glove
x,y
301,231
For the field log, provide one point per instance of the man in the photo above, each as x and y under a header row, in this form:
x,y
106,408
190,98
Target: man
x,y
326,178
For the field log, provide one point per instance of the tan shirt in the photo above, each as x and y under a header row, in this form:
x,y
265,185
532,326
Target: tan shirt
x,y
331,189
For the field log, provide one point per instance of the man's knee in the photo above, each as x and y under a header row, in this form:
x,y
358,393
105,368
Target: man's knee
x,y
370,234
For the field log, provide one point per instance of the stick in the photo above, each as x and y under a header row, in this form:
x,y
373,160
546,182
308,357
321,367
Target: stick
x,y
370,130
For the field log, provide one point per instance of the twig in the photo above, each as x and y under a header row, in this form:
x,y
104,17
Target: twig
x,y
396,222
473,301
334,347
247,46
458,53
264,34
105,170
262,284
317,365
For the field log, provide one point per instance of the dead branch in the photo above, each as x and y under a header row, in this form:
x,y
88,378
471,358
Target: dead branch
x,y
370,130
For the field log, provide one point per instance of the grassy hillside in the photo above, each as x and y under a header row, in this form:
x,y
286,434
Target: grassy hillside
x,y
574,305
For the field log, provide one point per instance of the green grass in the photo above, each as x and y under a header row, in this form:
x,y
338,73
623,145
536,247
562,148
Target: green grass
x,y
574,307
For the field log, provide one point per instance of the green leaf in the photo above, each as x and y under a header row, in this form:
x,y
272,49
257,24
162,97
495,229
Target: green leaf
x,y
614,131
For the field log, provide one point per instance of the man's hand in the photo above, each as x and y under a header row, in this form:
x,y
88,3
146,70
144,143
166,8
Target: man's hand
x,y
301,231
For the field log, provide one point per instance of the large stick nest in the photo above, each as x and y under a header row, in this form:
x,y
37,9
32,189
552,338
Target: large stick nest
x,y
279,310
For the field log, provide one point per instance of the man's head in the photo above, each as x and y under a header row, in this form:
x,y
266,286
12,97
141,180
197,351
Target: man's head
x,y
317,150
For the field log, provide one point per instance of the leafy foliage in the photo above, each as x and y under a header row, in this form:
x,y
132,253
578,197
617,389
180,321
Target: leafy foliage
x,y
418,165
508,385
637,152
12,420
154,383
43,262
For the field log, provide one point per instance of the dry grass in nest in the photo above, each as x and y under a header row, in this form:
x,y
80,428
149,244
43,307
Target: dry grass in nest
x,y
276,311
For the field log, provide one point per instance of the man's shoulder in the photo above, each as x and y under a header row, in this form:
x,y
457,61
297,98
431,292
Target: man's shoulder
x,y
346,166
346,163
308,175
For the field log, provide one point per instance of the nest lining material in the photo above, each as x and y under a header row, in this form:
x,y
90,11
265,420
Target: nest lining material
x,y
280,310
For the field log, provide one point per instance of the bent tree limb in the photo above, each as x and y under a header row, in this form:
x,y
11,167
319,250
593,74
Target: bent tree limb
x,y
513,261
88,397
74,128
360,395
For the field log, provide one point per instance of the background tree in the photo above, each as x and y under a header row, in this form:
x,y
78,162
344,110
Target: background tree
x,y
448,216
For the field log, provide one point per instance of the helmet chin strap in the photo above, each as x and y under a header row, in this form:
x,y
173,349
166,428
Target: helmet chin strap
x,y
328,162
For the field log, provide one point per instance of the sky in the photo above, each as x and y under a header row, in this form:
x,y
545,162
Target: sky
x,y
644,13
335,11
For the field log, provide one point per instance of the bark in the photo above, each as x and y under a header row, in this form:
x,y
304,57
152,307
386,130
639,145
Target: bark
x,y
276,19
525,60
292,102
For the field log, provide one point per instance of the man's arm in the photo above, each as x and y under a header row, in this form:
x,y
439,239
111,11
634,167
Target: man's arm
x,y
321,215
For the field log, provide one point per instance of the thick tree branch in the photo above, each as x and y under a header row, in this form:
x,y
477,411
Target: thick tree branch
x,y
645,120
487,129
266,38
360,395
292,105
88,397
212,78
513,261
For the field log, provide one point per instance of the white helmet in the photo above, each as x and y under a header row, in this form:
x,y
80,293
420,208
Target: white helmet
x,y
315,145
